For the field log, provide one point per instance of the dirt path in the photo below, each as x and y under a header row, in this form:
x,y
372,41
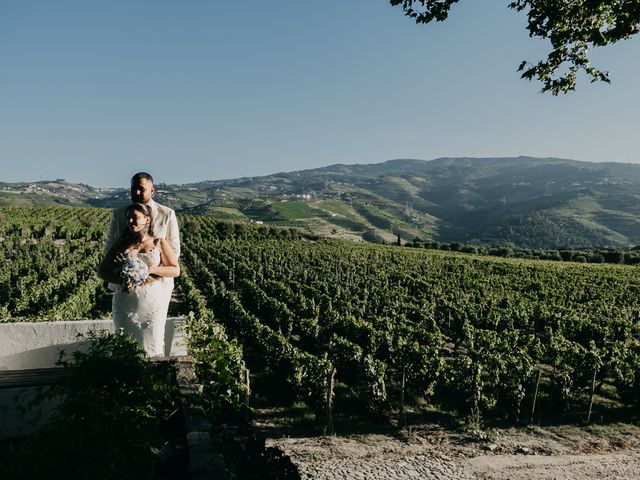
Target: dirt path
x,y
562,453
565,467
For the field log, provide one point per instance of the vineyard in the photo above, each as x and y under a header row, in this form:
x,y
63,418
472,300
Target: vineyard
x,y
318,321
48,261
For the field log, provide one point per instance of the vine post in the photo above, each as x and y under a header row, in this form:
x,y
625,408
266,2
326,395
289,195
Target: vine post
x,y
402,418
593,389
535,397
329,402
247,385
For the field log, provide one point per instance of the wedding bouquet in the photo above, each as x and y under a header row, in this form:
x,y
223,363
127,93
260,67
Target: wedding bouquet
x,y
133,271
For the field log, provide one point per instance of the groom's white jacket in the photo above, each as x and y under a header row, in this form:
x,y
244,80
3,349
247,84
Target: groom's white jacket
x,y
164,222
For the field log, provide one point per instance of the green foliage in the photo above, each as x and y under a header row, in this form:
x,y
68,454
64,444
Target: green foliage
x,y
573,364
359,370
295,210
47,270
468,332
489,371
626,371
219,367
581,255
218,360
420,359
572,29
111,419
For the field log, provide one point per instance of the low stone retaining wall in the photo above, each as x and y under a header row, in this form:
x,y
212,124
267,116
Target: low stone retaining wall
x,y
28,355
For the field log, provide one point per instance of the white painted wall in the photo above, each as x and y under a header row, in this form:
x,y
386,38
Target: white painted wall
x,y
28,345
37,344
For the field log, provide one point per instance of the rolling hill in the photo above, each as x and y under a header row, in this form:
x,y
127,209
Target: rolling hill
x,y
530,202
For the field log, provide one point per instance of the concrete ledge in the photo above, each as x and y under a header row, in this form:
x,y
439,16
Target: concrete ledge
x,y
29,345
28,355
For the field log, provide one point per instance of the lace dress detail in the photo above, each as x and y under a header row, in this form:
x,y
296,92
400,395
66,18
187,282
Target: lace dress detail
x,y
143,311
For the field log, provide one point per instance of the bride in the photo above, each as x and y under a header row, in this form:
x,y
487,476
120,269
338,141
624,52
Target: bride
x,y
141,301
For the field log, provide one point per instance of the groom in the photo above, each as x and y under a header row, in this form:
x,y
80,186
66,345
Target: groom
x,y
164,222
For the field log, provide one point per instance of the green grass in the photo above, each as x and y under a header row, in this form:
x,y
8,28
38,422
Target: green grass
x,y
20,199
296,210
226,213
339,208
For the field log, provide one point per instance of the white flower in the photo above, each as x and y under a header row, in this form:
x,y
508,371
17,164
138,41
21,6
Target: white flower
x,y
133,271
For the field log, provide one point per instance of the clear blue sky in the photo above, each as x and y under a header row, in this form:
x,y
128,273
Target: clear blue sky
x,y
94,91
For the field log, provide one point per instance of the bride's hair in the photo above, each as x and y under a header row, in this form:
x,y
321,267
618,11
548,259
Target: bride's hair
x,y
129,238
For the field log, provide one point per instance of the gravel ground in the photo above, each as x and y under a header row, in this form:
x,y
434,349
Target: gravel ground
x,y
562,467
562,453
418,466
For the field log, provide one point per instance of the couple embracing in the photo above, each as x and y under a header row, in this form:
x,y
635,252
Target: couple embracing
x,y
140,260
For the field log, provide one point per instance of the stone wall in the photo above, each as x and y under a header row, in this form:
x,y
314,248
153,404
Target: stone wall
x,y
28,355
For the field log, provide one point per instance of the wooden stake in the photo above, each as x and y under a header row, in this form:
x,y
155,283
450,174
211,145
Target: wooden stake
x,y
535,397
593,389
329,401
402,420
247,382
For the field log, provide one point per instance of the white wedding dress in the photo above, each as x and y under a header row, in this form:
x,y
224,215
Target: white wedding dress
x,y
143,311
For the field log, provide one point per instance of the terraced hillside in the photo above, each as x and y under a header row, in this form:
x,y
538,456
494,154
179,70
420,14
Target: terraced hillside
x,y
528,202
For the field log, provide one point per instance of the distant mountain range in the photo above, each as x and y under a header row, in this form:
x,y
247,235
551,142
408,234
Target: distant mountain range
x,y
527,201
